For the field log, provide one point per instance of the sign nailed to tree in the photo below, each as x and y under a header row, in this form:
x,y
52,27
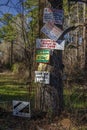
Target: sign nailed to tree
x,y
21,108
42,77
53,15
42,56
50,44
51,31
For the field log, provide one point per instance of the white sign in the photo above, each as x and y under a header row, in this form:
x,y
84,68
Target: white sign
x,y
50,44
53,15
42,77
21,109
51,31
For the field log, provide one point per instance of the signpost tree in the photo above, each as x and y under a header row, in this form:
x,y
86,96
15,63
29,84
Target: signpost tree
x,y
56,77
51,13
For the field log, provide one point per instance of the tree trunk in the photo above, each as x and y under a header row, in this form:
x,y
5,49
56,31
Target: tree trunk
x,y
51,96
84,37
11,54
85,40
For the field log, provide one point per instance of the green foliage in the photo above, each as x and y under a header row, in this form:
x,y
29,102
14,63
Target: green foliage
x,y
30,3
12,88
15,67
75,98
65,7
7,31
33,6
6,18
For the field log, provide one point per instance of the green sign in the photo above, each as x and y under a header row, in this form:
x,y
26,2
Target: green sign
x,y
42,56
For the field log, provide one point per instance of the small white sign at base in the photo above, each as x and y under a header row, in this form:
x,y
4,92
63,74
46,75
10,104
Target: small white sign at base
x,y
21,108
42,77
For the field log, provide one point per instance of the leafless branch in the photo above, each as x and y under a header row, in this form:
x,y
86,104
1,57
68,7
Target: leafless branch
x,y
5,4
71,28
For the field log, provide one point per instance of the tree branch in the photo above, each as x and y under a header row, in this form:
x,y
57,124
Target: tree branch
x,y
71,28
83,1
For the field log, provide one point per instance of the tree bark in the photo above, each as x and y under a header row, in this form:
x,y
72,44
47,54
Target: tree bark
x,y
84,37
11,54
51,96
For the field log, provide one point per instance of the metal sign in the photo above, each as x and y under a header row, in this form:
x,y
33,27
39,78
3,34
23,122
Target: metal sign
x,y
53,15
42,77
51,31
42,55
21,108
50,44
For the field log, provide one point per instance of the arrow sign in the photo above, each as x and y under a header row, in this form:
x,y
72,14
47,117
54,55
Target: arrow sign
x,y
50,44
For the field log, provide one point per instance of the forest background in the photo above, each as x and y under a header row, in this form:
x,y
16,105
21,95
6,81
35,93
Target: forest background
x,y
20,26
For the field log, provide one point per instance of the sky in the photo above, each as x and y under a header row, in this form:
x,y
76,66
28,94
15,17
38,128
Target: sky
x,y
12,7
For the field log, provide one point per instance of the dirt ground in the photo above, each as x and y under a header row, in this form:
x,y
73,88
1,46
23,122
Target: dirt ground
x,y
10,122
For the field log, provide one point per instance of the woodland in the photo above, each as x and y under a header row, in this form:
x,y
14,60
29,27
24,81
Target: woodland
x,y
62,103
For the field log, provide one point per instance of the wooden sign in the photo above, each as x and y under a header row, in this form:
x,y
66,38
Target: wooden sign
x,y
50,30
53,15
50,44
21,108
42,55
42,77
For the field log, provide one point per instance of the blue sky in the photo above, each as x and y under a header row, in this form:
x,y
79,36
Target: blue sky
x,y
12,7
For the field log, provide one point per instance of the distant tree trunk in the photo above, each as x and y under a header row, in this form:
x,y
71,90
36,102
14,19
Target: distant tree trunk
x,y
84,37
11,53
77,50
51,96
38,102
